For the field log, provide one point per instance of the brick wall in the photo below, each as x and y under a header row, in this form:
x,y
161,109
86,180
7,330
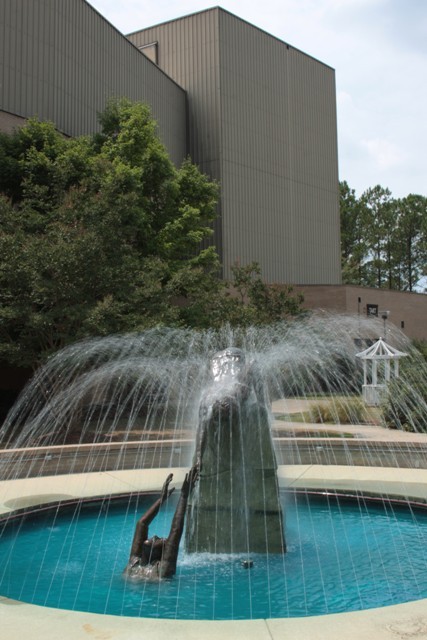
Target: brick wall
x,y
408,311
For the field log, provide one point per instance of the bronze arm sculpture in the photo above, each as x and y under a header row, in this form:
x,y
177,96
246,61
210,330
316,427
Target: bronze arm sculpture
x,y
156,558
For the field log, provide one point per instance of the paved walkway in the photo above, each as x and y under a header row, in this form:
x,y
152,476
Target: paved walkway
x,y
296,407
28,492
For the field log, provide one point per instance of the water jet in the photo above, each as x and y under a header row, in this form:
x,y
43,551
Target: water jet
x,y
105,399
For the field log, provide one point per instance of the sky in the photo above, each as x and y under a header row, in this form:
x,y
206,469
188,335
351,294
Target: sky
x,y
378,49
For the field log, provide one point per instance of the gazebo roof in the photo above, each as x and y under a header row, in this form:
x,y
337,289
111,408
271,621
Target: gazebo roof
x,y
380,350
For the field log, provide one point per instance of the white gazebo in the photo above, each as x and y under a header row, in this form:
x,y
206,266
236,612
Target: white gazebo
x,y
380,355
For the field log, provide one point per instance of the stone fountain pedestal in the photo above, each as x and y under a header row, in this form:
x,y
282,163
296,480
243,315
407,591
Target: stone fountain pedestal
x,y
235,507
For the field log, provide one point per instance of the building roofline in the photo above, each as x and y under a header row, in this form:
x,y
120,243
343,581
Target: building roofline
x,y
110,24
233,15
363,288
184,17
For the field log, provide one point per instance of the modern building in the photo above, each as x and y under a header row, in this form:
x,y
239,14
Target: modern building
x,y
262,120
252,111
402,309
61,60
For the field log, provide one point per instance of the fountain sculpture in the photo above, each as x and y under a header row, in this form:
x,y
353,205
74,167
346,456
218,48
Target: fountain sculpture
x,y
235,506
126,406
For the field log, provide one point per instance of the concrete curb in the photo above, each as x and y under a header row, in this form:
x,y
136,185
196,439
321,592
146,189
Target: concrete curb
x,y
41,623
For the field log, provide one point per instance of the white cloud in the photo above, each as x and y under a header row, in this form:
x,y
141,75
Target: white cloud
x,y
384,153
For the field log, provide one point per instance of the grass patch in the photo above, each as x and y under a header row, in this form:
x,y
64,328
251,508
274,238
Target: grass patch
x,y
311,434
301,416
334,410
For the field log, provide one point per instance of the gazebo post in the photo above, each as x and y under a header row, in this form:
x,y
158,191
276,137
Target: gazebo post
x,y
387,371
374,372
365,372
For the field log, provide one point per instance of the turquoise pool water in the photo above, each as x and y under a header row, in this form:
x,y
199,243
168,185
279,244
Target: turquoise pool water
x,y
341,557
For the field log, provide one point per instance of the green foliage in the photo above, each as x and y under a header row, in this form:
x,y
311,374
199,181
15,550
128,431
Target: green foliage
x,y
339,411
421,346
405,405
254,302
29,164
99,235
199,291
378,218
384,240
411,241
103,234
352,240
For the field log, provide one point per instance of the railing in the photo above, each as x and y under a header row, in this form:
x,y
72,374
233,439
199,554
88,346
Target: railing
x,y
85,458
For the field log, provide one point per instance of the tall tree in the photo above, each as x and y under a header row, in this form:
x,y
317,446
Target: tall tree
x,y
251,301
383,240
98,234
411,240
379,224
354,250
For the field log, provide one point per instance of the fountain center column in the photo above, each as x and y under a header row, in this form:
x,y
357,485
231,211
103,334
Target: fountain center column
x,y
235,507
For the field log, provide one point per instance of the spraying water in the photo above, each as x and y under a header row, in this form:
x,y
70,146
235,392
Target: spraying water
x,y
167,396
139,393
236,505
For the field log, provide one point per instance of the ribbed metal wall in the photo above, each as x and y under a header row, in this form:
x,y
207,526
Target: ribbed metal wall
x,y
261,117
279,154
188,51
61,60
262,120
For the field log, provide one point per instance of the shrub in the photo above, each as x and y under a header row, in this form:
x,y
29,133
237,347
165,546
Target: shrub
x,y
339,411
405,405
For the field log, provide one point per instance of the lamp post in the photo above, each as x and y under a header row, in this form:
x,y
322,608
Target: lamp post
x,y
384,316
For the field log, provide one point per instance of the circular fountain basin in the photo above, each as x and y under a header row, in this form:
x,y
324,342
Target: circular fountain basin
x,y
386,620
343,554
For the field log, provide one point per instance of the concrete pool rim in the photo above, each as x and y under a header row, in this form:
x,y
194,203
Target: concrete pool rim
x,y
397,621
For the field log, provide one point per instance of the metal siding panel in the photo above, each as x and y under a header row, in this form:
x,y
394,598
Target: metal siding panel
x,y
261,118
255,146
280,176
50,62
188,53
10,92
315,166
65,60
5,32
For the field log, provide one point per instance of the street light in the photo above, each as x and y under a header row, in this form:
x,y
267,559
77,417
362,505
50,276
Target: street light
x,y
384,316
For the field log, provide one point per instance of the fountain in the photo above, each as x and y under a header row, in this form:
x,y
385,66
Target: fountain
x,y
104,416
236,505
